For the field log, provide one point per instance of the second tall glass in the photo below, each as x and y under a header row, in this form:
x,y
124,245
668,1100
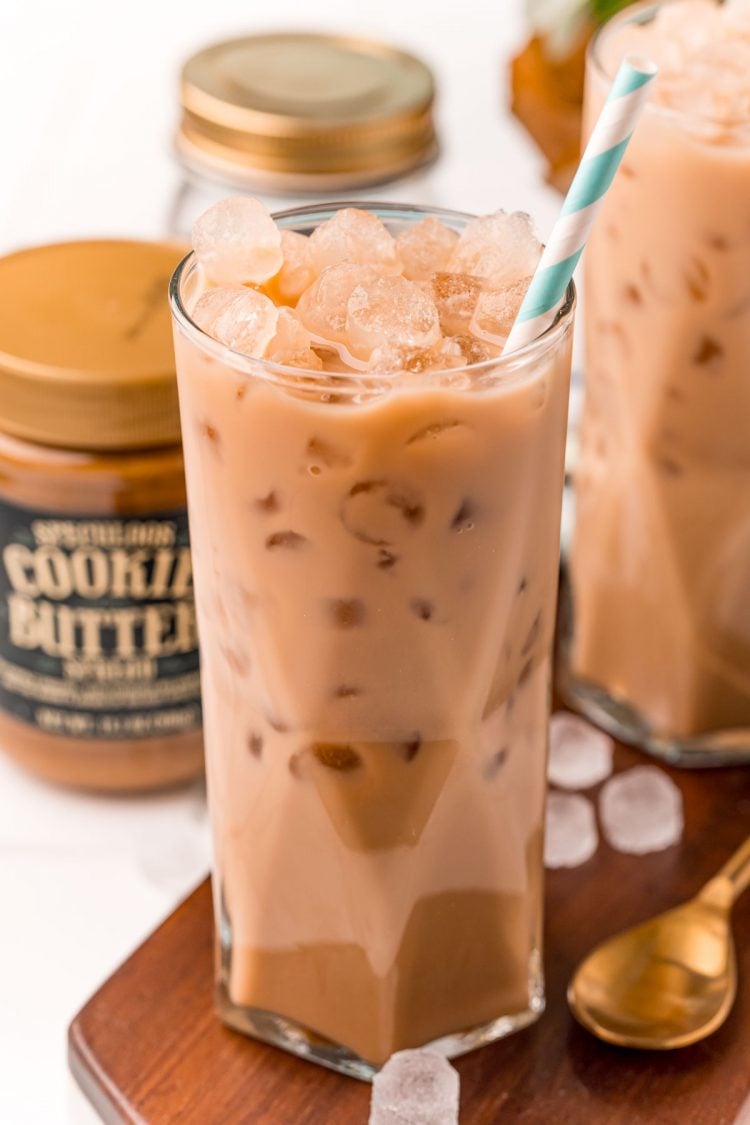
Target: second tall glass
x,y
376,563
658,646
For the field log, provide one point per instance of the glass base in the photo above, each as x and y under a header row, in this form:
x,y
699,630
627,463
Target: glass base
x,y
623,721
301,1041
715,748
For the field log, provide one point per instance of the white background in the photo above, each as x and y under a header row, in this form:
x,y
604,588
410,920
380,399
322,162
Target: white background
x,y
87,109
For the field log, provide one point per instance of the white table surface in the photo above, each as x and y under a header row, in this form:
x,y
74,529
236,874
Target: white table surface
x,y
88,97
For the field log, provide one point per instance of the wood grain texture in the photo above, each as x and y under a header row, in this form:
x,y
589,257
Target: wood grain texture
x,y
148,1049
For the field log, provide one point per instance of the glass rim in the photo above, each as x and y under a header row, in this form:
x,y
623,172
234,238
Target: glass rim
x,y
281,373
629,15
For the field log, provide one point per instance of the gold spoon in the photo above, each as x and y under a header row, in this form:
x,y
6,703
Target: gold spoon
x,y
668,982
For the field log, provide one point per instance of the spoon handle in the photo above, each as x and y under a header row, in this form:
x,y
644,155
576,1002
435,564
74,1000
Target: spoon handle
x,y
737,870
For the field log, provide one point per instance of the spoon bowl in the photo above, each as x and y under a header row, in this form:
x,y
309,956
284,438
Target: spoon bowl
x,y
670,981
664,984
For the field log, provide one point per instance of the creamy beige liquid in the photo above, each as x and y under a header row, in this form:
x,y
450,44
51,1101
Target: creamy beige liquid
x,y
660,563
376,587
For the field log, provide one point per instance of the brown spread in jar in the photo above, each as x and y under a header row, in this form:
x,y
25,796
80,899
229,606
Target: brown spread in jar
x,y
99,680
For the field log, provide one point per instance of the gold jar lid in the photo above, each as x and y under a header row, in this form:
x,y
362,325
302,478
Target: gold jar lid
x,y
305,112
86,359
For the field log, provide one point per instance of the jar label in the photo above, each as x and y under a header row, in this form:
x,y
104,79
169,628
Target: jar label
x,y
97,624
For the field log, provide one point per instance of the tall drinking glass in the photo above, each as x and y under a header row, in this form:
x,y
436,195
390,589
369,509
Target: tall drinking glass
x,y
658,632
376,563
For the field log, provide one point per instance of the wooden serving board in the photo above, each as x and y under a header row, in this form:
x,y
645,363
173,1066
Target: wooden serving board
x,y
148,1049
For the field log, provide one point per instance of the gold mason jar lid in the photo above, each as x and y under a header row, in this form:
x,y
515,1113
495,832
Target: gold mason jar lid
x,y
305,112
86,359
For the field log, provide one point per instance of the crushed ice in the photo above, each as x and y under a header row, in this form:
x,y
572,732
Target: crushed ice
x,y
417,1087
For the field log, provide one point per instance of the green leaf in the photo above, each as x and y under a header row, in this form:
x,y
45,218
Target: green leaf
x,y
603,9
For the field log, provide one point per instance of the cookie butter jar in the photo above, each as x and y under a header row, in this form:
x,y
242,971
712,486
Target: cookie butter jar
x,y
99,680
287,116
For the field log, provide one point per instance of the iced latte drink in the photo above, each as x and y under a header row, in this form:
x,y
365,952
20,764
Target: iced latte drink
x,y
374,503
660,563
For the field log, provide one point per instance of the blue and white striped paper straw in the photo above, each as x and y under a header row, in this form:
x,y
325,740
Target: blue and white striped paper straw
x,y
600,161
